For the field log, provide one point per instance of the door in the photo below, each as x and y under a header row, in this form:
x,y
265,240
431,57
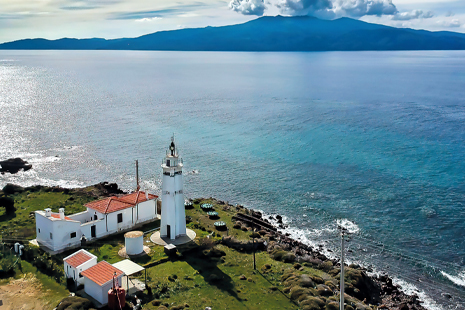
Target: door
x,y
168,231
93,233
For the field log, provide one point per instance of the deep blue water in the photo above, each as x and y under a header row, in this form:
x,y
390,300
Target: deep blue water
x,y
376,138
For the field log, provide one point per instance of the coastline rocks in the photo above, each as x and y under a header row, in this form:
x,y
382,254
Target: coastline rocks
x,y
14,165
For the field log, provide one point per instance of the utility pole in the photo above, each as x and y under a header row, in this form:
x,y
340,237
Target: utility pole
x,y
253,246
341,294
137,176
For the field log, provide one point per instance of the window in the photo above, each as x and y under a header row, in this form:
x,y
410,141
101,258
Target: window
x,y
80,275
120,217
51,236
73,235
38,229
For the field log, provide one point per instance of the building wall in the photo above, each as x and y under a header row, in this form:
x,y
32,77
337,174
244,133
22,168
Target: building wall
x,y
55,233
145,211
43,229
100,293
85,216
100,229
112,220
71,272
94,290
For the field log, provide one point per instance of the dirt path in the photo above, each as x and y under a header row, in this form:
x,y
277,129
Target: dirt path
x,y
23,294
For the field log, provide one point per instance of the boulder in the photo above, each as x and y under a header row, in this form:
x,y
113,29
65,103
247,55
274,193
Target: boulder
x,y
13,165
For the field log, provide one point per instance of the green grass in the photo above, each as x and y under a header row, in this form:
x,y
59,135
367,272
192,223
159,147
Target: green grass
x,y
189,280
21,224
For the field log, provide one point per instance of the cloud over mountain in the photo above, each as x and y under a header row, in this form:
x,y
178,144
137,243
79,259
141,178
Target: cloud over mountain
x,y
248,7
412,15
328,9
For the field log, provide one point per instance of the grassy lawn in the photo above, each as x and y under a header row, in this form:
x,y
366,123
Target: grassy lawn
x,y
21,224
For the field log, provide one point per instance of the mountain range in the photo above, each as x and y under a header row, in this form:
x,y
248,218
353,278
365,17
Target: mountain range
x,y
268,33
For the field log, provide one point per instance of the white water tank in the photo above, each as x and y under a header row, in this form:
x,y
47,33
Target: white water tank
x,y
134,242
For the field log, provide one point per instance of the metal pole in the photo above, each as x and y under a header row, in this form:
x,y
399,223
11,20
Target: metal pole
x,y
137,175
341,305
253,245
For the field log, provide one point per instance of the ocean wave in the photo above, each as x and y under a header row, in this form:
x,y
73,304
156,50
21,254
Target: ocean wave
x,y
411,289
348,225
458,280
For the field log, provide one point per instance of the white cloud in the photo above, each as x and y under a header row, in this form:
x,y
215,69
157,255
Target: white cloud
x,y
248,7
145,20
412,15
452,23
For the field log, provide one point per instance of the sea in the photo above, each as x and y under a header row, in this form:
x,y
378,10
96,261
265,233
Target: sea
x,y
372,141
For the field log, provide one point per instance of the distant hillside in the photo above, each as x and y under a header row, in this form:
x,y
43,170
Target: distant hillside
x,y
269,33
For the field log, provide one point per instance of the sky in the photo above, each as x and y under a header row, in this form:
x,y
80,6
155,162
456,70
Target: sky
x,y
54,19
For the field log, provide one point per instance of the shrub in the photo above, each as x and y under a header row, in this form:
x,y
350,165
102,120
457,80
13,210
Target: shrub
x,y
312,303
297,291
74,303
9,204
332,306
11,189
289,257
326,266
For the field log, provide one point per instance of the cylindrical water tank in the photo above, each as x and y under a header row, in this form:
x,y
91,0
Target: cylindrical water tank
x,y
134,242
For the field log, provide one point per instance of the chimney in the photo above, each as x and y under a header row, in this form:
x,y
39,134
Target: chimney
x,y
48,212
62,213
147,195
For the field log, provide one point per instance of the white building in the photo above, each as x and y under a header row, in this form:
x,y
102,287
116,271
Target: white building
x,y
103,217
77,262
98,280
173,214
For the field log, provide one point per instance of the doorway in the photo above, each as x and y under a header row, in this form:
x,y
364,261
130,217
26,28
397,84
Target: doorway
x,y
93,233
168,231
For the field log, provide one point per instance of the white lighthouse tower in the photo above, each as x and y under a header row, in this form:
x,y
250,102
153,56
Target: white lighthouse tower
x,y
173,214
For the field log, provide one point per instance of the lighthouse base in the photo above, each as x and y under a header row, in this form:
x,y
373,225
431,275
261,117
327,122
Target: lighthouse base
x,y
188,237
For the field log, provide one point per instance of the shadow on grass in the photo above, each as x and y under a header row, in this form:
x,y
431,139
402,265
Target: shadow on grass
x,y
7,216
284,294
207,268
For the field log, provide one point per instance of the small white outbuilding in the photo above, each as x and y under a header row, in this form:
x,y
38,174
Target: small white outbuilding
x,y
76,263
99,279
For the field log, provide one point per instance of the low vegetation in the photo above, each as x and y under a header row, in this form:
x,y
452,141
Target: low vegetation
x,y
217,270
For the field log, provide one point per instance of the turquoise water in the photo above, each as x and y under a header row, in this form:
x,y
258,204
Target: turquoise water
x,y
375,138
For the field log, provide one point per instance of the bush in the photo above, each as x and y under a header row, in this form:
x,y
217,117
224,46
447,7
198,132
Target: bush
x,y
9,204
312,303
297,291
332,306
11,189
289,257
74,303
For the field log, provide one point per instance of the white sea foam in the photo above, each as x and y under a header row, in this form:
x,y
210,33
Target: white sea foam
x,y
350,226
410,289
458,280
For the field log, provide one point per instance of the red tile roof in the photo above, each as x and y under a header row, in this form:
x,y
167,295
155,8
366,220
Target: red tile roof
x,y
101,273
57,216
113,204
78,259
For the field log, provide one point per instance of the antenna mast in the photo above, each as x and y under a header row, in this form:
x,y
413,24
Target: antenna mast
x,y
137,175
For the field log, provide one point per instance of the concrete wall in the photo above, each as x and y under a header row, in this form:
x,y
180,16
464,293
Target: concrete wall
x,y
43,229
145,211
100,229
112,220
100,293
55,233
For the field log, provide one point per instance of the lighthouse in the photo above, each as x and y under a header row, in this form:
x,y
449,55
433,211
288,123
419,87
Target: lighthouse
x,y
173,214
